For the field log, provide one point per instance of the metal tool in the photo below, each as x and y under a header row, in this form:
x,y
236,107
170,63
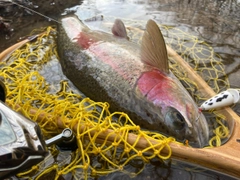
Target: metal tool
x,y
21,142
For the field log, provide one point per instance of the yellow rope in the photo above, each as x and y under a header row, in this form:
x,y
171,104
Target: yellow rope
x,y
31,94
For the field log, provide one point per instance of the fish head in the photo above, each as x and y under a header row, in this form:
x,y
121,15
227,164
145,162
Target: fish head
x,y
186,121
181,115
178,113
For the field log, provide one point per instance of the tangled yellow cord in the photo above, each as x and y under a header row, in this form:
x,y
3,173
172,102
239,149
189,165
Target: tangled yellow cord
x,y
100,134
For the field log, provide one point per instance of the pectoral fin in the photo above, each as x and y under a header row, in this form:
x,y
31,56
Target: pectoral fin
x,y
153,48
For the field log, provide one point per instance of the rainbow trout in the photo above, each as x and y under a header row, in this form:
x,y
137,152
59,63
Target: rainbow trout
x,y
133,79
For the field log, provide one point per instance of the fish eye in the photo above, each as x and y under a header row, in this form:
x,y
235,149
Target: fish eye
x,y
178,120
175,119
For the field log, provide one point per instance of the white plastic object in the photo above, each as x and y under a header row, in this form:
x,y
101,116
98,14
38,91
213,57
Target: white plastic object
x,y
223,99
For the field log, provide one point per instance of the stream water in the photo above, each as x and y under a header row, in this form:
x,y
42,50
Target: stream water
x,y
216,22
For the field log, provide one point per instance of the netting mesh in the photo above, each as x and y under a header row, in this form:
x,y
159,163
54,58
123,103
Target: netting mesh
x,y
106,141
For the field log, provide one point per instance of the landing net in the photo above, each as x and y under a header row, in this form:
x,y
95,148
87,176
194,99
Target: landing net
x,y
106,142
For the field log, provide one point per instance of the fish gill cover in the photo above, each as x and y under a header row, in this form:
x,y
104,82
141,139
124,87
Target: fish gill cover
x,y
107,141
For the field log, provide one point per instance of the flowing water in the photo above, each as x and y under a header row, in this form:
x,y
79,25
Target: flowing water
x,y
213,21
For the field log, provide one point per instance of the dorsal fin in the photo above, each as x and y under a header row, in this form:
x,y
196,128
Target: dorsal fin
x,y
119,29
153,48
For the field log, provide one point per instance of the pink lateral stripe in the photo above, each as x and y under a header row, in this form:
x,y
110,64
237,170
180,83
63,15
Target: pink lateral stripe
x,y
153,83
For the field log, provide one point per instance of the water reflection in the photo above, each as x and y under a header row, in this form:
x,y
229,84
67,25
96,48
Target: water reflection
x,y
176,171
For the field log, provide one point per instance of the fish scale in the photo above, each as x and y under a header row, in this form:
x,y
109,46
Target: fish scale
x,y
108,68
128,68
94,82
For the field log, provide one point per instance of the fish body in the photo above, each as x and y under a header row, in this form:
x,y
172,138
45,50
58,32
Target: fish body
x,y
133,79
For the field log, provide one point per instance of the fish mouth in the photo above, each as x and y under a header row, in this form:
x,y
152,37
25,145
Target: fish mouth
x,y
201,132
198,133
195,131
